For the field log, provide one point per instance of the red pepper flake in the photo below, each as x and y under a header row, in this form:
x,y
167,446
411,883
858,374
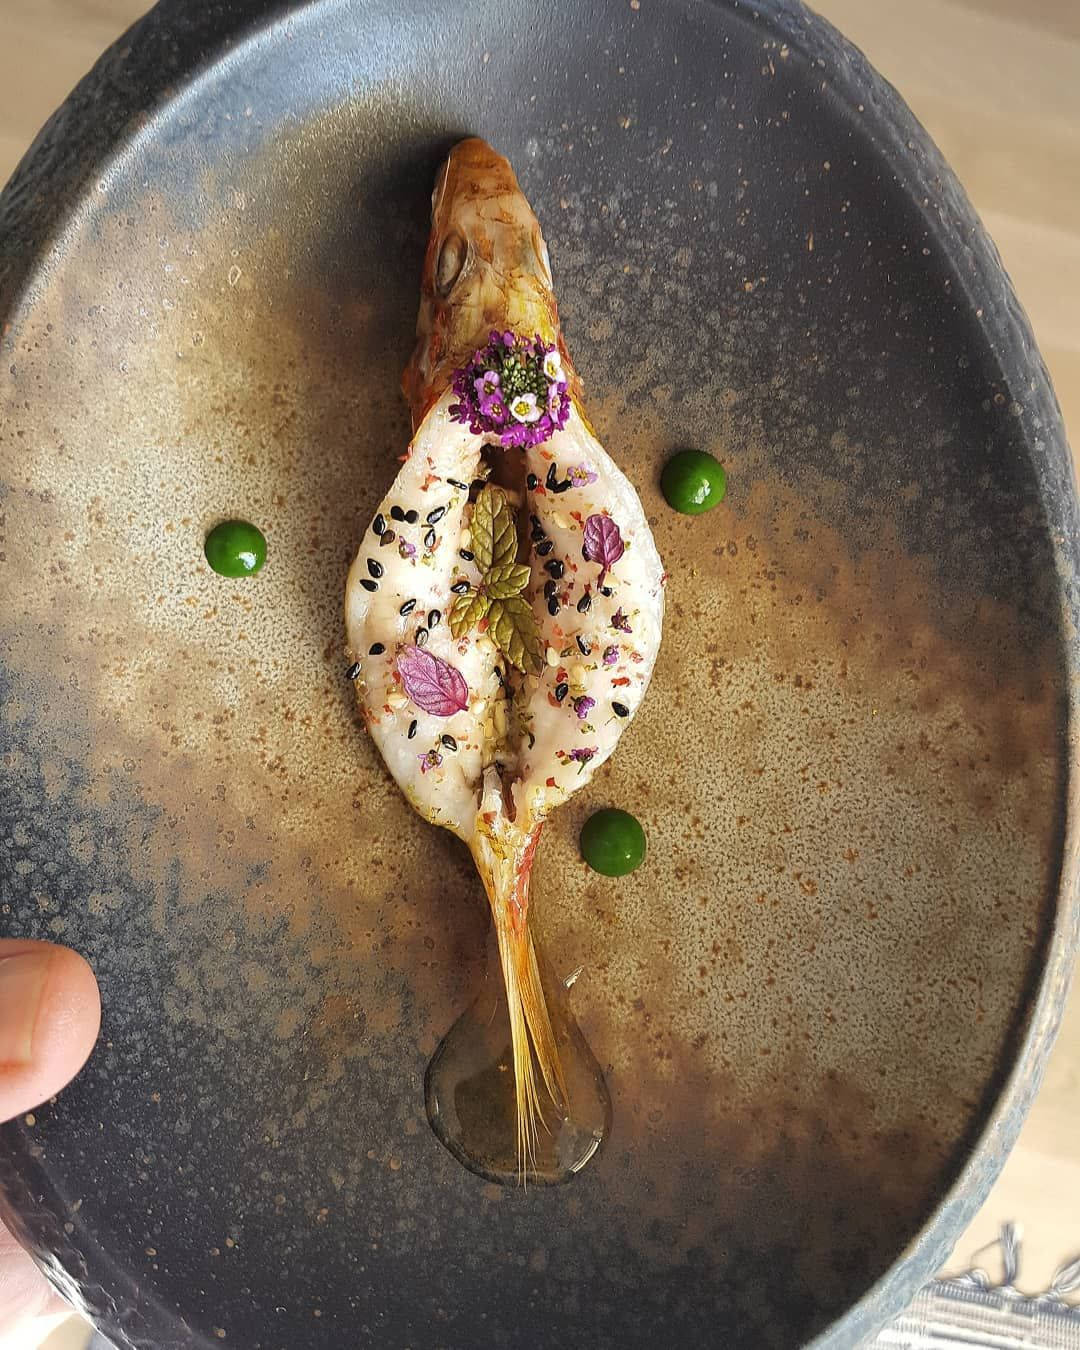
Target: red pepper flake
x,y
431,478
576,515
483,625
623,679
561,675
551,782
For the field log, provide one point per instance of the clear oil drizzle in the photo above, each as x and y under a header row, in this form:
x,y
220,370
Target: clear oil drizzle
x,y
469,1090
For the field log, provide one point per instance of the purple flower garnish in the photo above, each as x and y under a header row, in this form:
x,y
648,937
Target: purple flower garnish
x,y
406,549
620,622
431,759
580,475
432,683
611,654
582,754
583,706
494,409
514,390
603,543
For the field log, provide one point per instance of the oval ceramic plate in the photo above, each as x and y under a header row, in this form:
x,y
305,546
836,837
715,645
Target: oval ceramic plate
x,y
823,1004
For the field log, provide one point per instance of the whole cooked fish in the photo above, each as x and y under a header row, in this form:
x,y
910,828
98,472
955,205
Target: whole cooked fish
x,y
504,609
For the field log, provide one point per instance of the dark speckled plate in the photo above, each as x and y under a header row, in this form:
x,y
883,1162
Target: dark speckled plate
x,y
824,1005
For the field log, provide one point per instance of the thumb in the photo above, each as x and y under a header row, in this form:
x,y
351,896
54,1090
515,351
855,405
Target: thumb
x,y
50,1013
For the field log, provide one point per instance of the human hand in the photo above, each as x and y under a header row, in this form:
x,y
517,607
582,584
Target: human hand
x,y
50,1013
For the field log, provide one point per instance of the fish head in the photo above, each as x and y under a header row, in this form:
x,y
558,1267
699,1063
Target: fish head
x,y
486,267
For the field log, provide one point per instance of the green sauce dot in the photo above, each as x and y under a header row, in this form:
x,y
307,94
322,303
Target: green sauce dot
x,y
235,548
693,482
613,842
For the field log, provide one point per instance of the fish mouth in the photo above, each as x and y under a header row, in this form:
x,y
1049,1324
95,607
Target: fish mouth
x,y
486,267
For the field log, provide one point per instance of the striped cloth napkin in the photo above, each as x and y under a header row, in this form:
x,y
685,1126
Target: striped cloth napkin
x,y
970,1312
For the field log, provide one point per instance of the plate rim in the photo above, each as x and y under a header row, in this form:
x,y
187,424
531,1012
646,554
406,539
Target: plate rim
x,y
168,53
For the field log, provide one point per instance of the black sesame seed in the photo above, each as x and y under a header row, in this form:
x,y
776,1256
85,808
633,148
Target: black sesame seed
x,y
412,516
549,589
449,742
376,649
353,672
407,608
531,481
534,520
396,513
605,590
545,546
564,486
433,517
584,604
561,690
388,537
478,484
375,568
379,523
429,539
554,568
434,617
553,606
368,584
552,477
582,646
620,709
455,482
466,554
460,587
412,728
421,637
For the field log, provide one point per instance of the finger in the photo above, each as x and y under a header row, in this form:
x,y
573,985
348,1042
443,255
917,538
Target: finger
x,y
25,1294
50,1013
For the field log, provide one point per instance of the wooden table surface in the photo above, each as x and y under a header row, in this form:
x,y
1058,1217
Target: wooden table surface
x,y
997,84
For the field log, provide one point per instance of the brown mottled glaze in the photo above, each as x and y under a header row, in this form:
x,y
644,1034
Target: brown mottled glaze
x,y
850,765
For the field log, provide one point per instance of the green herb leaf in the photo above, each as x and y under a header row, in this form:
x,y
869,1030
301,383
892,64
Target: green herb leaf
x,y
494,534
506,580
514,631
466,611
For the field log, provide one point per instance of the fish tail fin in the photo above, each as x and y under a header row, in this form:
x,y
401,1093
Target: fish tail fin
x,y
532,1037
504,855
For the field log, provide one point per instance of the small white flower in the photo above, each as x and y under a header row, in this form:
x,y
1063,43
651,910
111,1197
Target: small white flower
x,y
524,408
553,365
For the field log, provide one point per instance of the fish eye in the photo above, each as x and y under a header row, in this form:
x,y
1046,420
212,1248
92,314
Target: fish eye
x,y
452,256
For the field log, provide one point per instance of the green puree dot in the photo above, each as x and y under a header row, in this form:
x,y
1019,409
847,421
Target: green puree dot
x,y
693,481
613,842
235,548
